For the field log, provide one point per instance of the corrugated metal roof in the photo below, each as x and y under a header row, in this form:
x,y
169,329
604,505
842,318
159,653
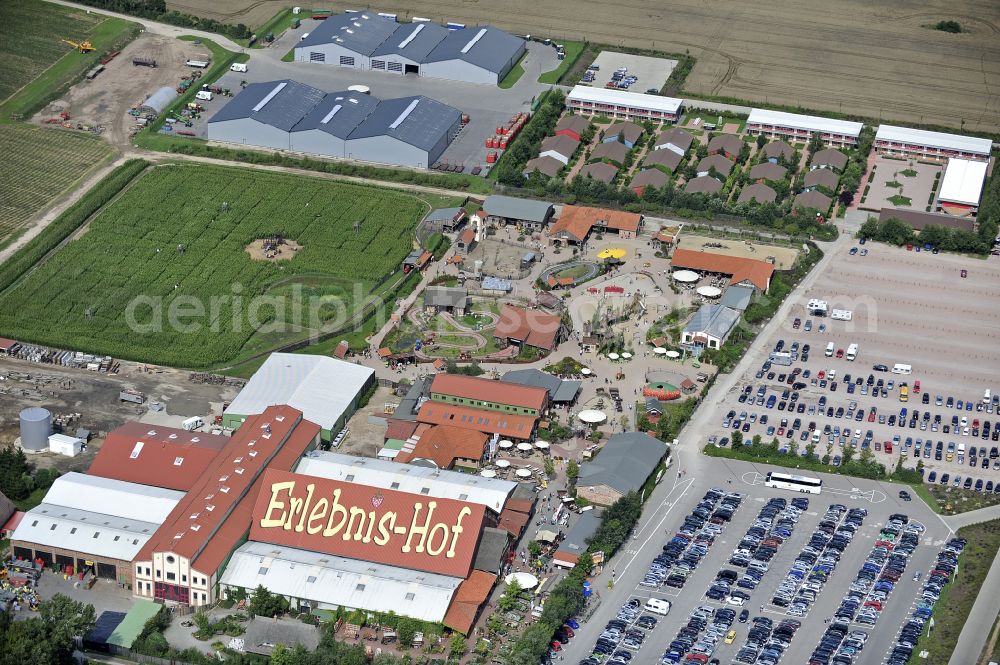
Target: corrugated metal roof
x,y
809,123
281,103
413,41
737,297
418,121
361,32
489,492
333,581
922,137
624,462
713,320
635,100
487,47
560,390
338,113
963,181
322,388
488,390
517,208
445,296
112,497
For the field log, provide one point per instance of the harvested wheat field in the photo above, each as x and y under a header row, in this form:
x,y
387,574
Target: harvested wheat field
x,y
847,56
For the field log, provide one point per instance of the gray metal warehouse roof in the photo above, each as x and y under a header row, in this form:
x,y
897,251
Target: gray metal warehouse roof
x,y
278,103
737,297
713,320
339,113
514,208
624,462
487,47
419,121
560,390
414,41
361,32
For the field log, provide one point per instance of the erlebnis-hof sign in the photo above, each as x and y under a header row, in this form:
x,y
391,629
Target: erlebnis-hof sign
x,y
362,522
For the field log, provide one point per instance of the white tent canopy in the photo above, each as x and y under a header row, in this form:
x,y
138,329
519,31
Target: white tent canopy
x,y
709,291
685,276
592,416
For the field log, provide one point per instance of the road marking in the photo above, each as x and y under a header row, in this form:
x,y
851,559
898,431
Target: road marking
x,y
687,485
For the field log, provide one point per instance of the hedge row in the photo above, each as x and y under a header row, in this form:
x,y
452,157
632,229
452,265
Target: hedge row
x,y
69,221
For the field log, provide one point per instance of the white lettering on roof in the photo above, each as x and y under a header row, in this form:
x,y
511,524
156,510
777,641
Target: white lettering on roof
x,y
472,42
271,95
406,112
329,116
136,450
413,35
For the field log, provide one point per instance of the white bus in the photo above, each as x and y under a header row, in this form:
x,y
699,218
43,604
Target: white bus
x,y
852,351
784,481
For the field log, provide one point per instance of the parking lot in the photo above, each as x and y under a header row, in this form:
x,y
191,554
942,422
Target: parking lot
x,y
851,560
915,310
652,73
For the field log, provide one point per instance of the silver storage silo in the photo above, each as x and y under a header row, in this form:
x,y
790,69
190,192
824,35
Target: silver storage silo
x,y
36,425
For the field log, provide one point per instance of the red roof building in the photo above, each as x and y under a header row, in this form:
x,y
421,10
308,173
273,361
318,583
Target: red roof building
x,y
182,561
529,327
468,598
446,446
576,222
487,393
153,455
758,273
507,425
386,526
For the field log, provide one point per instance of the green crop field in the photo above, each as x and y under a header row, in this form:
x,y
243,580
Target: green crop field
x,y
30,35
163,275
39,164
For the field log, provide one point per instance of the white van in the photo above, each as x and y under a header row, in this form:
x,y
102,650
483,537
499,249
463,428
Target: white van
x,y
193,423
829,350
900,368
987,396
205,95
657,606
238,67
852,352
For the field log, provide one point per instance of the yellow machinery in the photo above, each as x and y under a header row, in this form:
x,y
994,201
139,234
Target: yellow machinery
x,y
82,47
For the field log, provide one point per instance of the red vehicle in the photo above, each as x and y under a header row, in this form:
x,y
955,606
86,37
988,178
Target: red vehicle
x,y
781,431
888,446
871,416
796,323
909,248
840,353
822,374
975,424
556,645
916,387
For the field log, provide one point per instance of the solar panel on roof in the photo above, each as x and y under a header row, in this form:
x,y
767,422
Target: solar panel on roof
x,y
472,42
406,112
271,95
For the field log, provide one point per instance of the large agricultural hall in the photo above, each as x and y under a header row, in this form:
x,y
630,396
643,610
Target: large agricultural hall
x,y
366,40
288,115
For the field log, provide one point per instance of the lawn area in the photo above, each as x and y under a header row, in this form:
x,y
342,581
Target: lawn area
x,y
36,66
953,500
957,597
40,163
573,52
909,173
899,200
575,272
514,75
162,274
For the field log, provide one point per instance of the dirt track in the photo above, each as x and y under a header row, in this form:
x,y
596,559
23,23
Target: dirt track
x,y
848,56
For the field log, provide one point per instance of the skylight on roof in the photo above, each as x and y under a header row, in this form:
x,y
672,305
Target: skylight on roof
x,y
474,40
412,35
271,95
178,461
329,116
136,450
406,112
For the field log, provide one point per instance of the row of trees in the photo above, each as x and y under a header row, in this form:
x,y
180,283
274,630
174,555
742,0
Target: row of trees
x,y
566,598
156,10
48,637
897,232
509,170
861,464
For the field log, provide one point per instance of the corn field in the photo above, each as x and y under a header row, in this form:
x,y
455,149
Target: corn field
x,y
177,239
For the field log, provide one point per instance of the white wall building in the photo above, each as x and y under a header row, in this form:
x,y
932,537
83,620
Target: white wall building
x,y
623,105
801,128
908,142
